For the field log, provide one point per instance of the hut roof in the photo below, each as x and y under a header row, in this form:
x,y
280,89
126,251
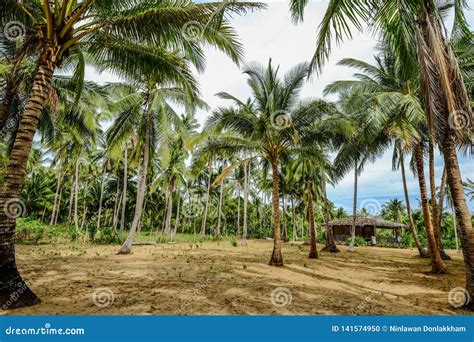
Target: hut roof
x,y
367,222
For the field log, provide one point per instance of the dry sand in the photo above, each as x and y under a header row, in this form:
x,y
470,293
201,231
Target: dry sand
x,y
219,279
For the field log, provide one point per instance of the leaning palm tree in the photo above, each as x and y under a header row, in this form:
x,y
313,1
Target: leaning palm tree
x,y
265,126
415,31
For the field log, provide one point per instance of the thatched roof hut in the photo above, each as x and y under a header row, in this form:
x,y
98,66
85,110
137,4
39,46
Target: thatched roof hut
x,y
367,222
365,228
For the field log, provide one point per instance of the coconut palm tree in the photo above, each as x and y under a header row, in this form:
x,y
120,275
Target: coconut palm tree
x,y
415,31
264,127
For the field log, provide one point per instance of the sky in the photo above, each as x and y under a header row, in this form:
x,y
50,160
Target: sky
x,y
271,33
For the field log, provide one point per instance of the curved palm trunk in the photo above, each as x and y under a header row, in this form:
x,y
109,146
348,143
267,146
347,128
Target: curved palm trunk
x,y
445,95
127,245
14,292
423,252
124,199
277,258
313,253
354,210
437,265
463,217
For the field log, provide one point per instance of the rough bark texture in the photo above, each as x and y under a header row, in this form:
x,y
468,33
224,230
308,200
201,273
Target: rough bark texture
x,y
439,220
423,252
437,265
330,241
124,199
277,258
313,252
463,216
14,291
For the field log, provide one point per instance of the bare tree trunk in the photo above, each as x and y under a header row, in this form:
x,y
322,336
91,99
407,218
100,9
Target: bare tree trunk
x,y
354,210
330,241
293,219
439,221
285,230
71,199
11,283
219,209
169,211
238,212
58,210
246,201
76,194
277,257
127,245
437,265
178,208
102,185
423,252
56,196
313,253
124,193
208,194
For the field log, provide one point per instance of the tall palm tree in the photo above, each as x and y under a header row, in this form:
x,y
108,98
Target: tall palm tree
x,y
265,127
415,31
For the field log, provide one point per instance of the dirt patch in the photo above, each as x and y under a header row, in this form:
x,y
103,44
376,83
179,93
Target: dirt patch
x,y
219,279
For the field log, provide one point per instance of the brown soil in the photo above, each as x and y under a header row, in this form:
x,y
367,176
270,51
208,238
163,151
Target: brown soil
x,y
219,279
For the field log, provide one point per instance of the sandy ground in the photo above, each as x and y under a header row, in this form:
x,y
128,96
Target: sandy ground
x,y
220,279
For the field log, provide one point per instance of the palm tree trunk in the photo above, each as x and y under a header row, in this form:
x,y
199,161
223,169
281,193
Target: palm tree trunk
x,y
463,217
238,212
11,283
330,242
423,252
437,265
434,202
285,231
293,219
354,210
277,257
56,196
76,194
246,201
101,198
125,182
127,245
58,210
439,220
313,253
169,211
71,199
208,194
219,209
178,208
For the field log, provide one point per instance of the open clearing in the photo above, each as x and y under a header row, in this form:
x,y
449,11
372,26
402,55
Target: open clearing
x,y
219,279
